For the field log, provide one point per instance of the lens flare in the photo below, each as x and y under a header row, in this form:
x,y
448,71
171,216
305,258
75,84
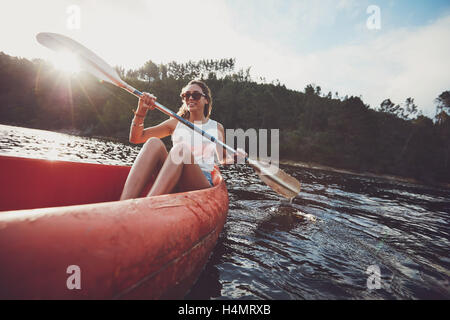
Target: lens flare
x,y
66,62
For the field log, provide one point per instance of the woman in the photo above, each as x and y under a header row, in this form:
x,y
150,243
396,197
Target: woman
x,y
190,162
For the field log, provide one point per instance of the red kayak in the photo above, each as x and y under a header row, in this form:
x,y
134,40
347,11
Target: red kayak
x,y
64,235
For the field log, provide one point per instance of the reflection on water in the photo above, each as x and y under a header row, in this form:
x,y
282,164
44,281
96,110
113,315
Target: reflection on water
x,y
318,247
34,143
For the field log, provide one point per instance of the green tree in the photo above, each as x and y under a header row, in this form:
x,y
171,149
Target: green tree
x,y
330,130
150,71
442,106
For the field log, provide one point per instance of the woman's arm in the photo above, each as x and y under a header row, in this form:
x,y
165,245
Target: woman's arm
x,y
137,132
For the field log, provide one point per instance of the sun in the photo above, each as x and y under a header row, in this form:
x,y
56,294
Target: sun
x,y
66,62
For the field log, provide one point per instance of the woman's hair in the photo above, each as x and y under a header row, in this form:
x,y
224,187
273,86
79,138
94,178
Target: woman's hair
x,y
184,111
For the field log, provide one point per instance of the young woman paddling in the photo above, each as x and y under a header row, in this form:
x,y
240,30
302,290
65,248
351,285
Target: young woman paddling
x,y
190,162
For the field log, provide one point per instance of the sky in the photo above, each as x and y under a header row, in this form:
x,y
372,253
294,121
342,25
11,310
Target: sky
x,y
373,49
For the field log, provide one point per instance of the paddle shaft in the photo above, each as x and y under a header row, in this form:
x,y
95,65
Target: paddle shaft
x,y
279,181
164,110
170,113
120,83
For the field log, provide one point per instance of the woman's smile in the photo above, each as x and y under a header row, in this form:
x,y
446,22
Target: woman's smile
x,y
192,103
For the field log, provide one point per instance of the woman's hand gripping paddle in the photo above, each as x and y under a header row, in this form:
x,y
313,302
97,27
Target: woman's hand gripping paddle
x,y
279,181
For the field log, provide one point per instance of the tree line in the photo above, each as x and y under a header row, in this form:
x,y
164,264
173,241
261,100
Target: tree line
x,y
341,132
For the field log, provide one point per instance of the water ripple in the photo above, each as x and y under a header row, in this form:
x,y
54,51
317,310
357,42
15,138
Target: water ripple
x,y
318,247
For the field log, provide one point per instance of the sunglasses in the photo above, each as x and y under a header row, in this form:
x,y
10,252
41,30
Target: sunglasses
x,y
195,95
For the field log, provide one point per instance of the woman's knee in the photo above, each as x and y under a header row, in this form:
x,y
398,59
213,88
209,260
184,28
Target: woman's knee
x,y
154,145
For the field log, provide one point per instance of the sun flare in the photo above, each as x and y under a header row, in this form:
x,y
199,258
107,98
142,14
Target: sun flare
x,y
66,62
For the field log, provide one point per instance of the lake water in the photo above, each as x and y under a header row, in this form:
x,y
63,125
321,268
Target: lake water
x,y
331,243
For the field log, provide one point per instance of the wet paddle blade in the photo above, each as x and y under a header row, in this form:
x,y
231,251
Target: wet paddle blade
x,y
277,179
88,60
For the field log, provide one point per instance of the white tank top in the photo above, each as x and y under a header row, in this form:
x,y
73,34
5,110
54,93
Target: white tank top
x,y
203,150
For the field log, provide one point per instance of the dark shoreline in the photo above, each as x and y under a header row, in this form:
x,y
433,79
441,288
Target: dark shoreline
x,y
295,163
316,166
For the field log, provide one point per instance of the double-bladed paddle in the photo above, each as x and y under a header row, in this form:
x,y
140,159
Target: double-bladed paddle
x,y
278,180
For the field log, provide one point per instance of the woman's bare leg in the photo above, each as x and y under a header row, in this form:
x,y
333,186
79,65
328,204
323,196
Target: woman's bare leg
x,y
179,168
150,158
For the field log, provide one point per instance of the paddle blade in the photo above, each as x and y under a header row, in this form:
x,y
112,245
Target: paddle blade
x,y
277,179
88,60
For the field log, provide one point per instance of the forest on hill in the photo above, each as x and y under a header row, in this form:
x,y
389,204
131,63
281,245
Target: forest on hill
x,y
317,127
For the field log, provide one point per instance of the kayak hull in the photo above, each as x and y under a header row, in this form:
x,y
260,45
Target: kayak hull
x,y
145,248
